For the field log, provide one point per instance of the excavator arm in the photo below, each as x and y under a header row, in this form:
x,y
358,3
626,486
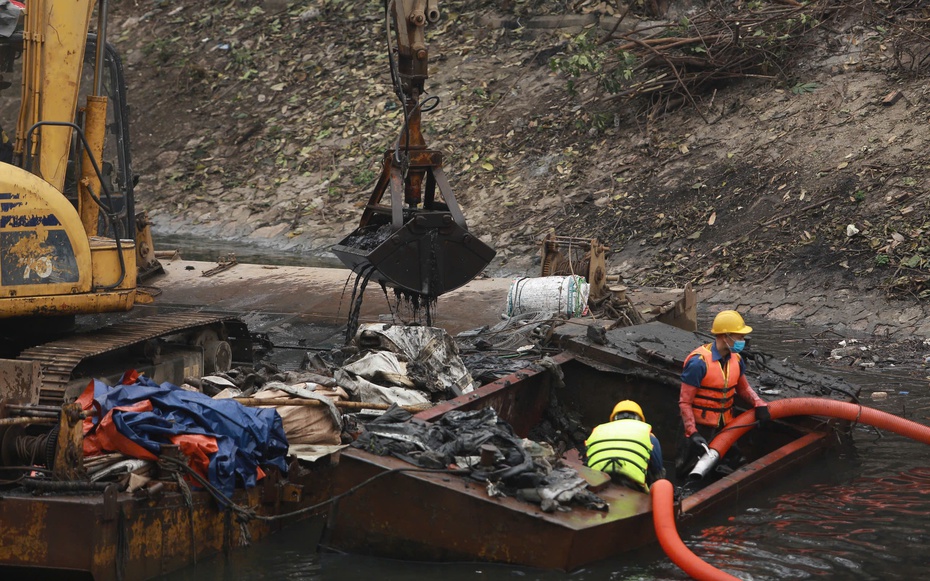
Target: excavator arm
x,y
418,241
57,256
69,235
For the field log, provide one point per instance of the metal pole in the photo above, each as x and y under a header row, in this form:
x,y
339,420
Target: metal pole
x,y
19,421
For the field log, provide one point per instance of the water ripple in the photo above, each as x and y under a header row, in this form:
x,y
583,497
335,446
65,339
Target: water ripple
x,y
867,528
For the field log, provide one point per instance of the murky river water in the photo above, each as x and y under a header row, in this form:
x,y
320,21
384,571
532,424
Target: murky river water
x,y
863,513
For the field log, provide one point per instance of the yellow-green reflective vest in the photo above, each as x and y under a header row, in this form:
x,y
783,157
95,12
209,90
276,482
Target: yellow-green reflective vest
x,y
621,447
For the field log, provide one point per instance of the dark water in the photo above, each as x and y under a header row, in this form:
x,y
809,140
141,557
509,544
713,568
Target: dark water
x,y
211,249
863,513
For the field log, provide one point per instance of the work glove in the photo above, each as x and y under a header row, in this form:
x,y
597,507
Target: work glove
x,y
763,416
699,440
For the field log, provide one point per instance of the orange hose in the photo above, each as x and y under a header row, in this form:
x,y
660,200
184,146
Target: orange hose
x,y
810,406
663,515
663,518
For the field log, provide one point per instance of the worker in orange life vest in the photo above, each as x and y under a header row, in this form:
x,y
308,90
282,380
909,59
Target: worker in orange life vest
x,y
712,377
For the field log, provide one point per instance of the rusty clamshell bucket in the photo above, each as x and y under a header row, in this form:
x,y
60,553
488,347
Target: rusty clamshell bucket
x,y
415,243
431,254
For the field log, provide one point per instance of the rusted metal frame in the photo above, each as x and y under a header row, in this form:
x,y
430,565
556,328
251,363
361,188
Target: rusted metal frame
x,y
21,408
595,271
378,192
69,451
753,475
613,358
27,421
350,405
397,200
419,163
405,189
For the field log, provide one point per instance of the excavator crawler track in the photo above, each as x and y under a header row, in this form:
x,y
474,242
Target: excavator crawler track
x,y
58,359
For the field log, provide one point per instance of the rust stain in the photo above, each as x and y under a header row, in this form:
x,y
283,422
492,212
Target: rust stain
x,y
104,554
176,533
33,254
145,540
24,541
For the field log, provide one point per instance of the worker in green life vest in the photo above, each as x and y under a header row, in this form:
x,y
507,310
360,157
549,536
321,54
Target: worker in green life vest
x,y
713,375
626,449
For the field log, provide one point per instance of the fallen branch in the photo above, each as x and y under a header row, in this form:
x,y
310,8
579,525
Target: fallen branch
x,y
675,62
798,211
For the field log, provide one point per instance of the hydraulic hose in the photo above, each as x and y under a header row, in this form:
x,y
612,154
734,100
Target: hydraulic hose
x,y
663,518
662,491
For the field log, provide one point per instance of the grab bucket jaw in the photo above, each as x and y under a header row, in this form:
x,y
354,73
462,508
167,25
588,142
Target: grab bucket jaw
x,y
430,255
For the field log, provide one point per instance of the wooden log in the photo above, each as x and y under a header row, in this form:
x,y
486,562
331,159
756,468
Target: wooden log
x,y
892,98
349,405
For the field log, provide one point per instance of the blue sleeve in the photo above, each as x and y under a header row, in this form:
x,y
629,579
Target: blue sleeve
x,y
655,457
694,371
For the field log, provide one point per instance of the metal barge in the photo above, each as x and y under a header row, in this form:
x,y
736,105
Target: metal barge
x,y
437,517
110,535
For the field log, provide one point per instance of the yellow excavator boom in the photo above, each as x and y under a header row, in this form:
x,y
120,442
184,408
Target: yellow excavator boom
x,y
52,260
54,39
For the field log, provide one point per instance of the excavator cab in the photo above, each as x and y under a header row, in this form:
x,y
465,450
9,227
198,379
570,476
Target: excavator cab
x,y
416,242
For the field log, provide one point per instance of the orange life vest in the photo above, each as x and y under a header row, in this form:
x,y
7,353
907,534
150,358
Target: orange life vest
x,y
713,402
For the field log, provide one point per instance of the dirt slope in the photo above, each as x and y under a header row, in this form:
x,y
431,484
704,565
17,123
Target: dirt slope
x,y
267,122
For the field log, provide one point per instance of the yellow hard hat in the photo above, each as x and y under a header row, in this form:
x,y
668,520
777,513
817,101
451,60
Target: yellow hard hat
x,y
627,405
730,322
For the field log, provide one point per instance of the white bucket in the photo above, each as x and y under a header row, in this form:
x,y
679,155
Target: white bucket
x,y
559,294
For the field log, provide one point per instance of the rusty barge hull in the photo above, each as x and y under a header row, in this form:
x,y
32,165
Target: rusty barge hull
x,y
428,517
113,535
437,517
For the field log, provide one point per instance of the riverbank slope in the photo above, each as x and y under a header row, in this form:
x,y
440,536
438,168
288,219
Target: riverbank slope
x,y
797,195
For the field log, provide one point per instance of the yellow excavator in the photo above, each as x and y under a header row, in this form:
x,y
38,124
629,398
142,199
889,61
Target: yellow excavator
x,y
71,242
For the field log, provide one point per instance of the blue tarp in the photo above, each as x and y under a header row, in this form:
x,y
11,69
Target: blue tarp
x,y
246,437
